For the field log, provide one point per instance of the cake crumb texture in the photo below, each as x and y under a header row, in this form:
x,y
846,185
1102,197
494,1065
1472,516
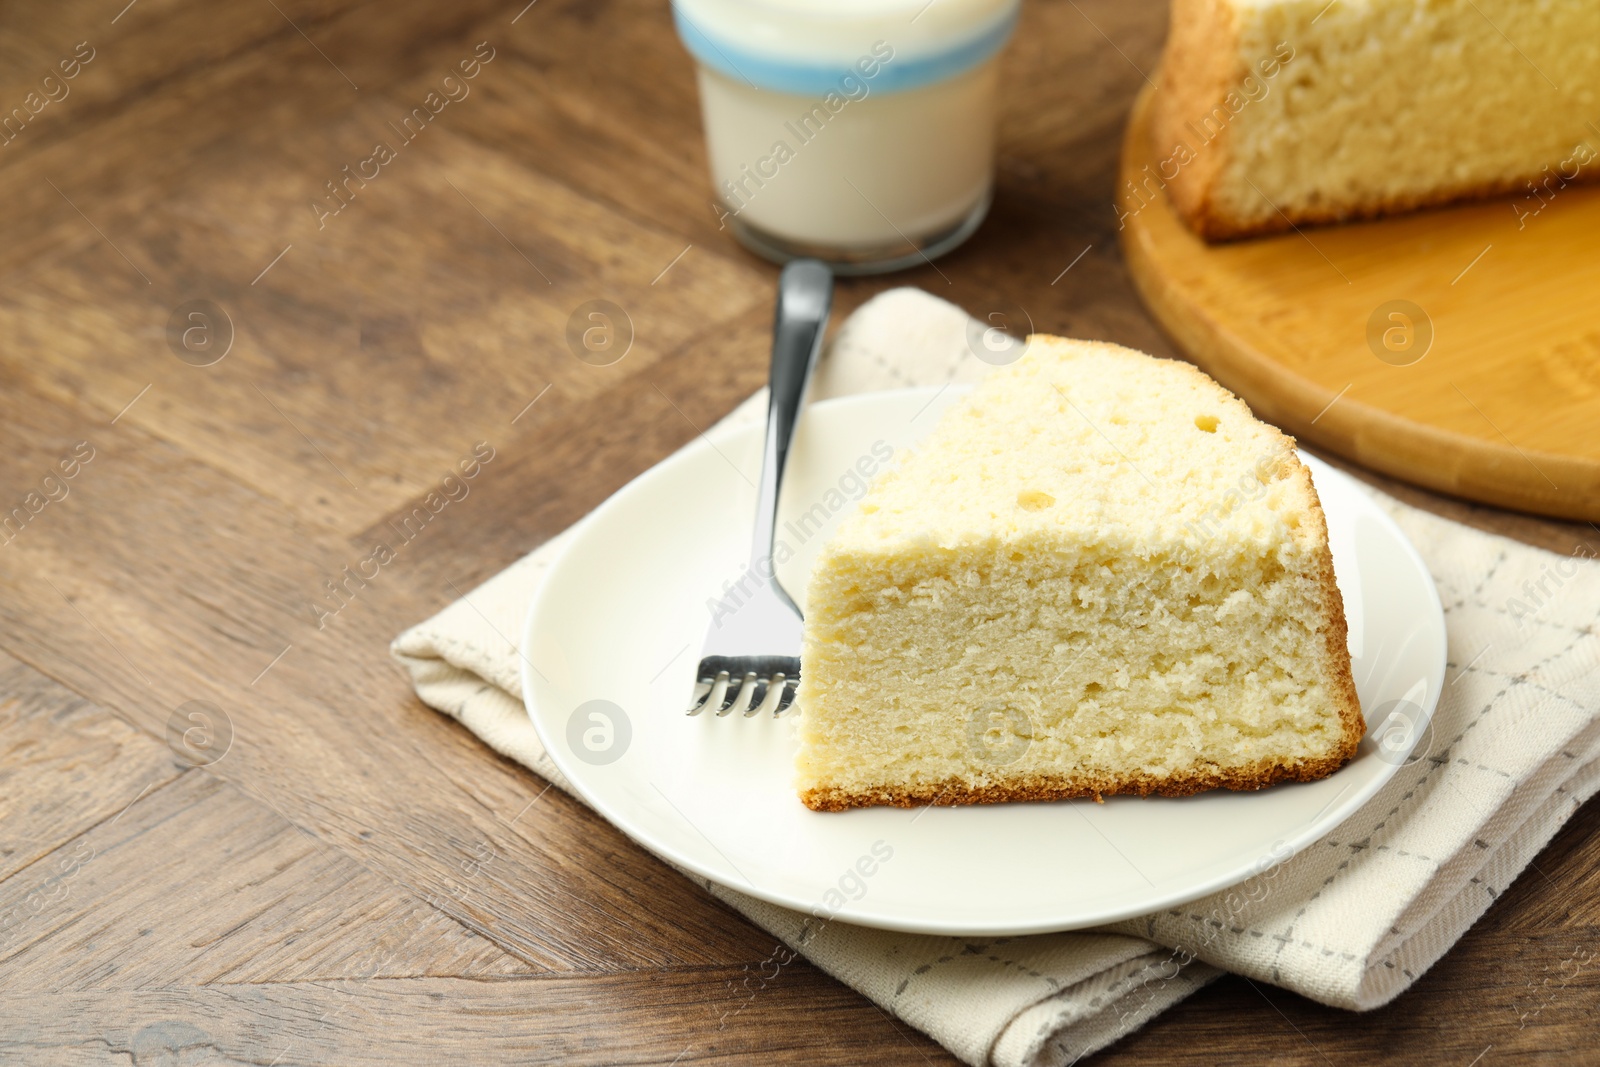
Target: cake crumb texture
x,y
1275,113
1099,575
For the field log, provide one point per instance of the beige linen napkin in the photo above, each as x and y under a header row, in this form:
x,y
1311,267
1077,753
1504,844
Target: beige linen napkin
x,y
1351,921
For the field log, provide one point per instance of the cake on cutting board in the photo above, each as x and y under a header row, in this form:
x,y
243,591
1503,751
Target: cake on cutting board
x,y
1100,574
1275,113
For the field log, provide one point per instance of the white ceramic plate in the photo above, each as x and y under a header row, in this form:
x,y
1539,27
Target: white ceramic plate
x,y
613,637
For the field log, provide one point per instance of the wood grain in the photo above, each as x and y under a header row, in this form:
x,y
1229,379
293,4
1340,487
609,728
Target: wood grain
x,y
358,879
65,766
1488,391
594,1019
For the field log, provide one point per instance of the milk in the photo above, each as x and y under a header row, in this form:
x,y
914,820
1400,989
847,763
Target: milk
x,y
860,133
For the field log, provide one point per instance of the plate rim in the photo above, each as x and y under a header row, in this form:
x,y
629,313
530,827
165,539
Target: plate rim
x,y
1325,822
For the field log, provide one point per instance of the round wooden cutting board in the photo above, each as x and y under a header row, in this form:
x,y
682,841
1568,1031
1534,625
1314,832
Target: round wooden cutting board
x,y
1457,348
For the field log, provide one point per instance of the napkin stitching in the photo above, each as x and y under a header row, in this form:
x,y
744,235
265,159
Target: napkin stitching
x,y
1551,624
894,372
1444,758
1050,1025
1240,931
1578,634
1488,576
1520,679
1362,845
973,949
1287,937
1386,960
1054,983
1095,1002
1532,813
1483,767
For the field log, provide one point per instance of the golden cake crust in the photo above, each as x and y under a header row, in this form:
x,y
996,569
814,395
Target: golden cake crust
x,y
954,793
1336,635
1200,64
1205,218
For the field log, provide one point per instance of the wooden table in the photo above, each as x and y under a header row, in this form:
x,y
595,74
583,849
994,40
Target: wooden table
x,y
357,879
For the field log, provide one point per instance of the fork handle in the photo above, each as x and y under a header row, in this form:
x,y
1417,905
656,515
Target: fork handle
x,y
805,295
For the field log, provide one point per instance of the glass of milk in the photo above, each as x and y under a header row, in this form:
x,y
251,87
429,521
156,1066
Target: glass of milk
x,y
858,132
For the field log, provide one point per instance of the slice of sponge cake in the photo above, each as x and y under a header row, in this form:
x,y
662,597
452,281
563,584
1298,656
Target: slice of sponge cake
x,y
1100,574
1272,113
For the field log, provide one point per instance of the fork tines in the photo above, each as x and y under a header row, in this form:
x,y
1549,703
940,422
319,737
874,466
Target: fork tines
x,y
749,684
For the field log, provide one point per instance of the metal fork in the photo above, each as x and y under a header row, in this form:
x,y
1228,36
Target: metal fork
x,y
750,661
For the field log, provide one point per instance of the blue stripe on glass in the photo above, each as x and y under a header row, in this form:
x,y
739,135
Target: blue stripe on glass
x,y
817,79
